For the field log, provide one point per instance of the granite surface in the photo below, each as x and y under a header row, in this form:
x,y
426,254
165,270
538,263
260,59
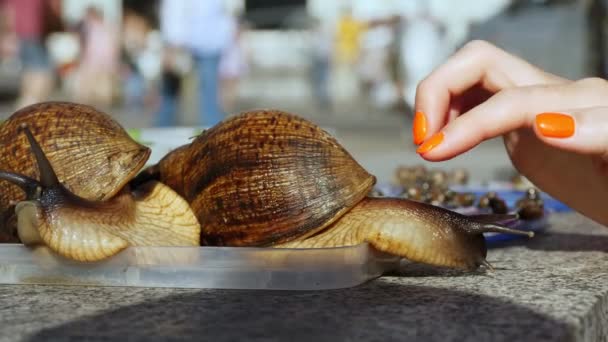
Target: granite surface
x,y
551,288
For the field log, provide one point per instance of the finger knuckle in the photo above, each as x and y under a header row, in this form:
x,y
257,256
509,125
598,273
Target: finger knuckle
x,y
424,85
505,96
594,83
479,45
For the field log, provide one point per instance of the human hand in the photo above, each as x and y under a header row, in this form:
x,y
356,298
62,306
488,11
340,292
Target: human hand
x,y
555,130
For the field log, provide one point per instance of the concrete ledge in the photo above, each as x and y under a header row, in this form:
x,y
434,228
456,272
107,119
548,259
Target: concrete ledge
x,y
553,287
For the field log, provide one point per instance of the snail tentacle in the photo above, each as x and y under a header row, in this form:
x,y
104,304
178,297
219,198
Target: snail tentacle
x,y
30,186
48,178
494,218
496,228
487,265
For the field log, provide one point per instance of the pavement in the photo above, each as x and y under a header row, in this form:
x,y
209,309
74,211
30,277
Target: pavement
x,y
553,287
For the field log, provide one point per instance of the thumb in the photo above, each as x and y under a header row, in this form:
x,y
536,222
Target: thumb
x,y
583,130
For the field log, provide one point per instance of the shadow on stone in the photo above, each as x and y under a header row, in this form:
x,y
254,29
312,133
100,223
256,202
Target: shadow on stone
x,y
564,242
571,242
378,310
411,269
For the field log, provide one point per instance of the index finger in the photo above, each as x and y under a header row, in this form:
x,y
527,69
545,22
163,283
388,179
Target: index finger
x,y
478,63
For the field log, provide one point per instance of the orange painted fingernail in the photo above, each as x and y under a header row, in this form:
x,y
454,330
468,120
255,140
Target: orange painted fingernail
x,y
430,144
555,125
419,129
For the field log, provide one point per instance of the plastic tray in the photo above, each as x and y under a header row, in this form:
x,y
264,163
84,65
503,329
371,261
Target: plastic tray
x,y
202,267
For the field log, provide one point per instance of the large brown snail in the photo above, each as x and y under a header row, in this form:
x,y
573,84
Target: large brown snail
x,y
268,178
262,178
78,201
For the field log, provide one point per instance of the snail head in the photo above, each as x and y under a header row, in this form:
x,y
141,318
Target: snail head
x,y
48,179
85,230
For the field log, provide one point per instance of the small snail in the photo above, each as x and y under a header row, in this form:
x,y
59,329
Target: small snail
x,y
493,202
437,196
91,213
531,206
438,178
459,176
268,178
462,199
410,176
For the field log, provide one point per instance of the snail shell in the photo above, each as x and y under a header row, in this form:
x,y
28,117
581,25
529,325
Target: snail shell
x,y
92,155
91,214
264,177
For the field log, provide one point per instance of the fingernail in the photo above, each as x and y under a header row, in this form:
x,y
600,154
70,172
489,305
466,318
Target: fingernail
x,y
555,125
430,144
419,129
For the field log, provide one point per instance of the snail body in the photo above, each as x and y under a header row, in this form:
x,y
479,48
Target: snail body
x,y
531,206
414,230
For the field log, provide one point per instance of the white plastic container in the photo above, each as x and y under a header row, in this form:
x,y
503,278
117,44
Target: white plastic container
x,y
201,267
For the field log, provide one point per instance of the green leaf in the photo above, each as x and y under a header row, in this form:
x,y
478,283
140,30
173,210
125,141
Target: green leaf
x,y
135,134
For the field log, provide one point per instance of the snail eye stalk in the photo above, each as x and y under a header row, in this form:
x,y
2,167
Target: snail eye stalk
x,y
48,178
31,187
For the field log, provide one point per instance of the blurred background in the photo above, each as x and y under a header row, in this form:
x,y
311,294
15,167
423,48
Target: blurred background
x,y
350,65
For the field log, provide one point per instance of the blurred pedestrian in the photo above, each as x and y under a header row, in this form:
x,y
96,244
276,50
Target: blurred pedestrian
x,y
31,20
349,32
99,60
203,30
233,66
175,60
209,33
9,43
422,47
135,34
374,65
322,47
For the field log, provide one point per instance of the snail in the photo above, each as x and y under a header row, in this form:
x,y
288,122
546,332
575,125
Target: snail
x,y
531,205
269,178
460,199
410,176
459,176
78,201
492,201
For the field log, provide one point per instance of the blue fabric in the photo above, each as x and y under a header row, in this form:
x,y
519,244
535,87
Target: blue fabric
x,y
165,116
320,78
210,112
169,92
33,55
208,77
